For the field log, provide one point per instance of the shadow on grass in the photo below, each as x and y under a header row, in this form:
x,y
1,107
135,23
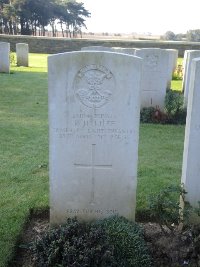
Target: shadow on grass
x,y
36,222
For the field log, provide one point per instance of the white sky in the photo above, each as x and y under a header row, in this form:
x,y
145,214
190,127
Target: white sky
x,y
142,16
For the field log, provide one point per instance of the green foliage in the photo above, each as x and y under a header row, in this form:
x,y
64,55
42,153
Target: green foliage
x,y
130,249
173,102
12,58
165,206
27,17
193,35
197,209
174,107
153,115
146,114
110,242
169,35
74,244
175,112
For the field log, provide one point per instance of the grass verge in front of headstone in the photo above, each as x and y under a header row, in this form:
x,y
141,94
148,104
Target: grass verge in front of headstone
x,y
24,153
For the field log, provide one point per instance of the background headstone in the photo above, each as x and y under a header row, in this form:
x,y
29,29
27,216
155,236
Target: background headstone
x,y
155,76
94,104
22,51
4,57
190,55
96,48
173,56
130,51
184,68
191,155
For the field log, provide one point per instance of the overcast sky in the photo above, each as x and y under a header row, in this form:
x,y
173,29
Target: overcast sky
x,y
155,16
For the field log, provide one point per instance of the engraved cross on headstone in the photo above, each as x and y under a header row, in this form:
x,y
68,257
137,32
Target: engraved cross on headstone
x,y
93,167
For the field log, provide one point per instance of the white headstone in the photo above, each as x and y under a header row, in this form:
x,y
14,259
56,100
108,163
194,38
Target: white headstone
x,y
96,48
190,56
173,56
184,68
4,57
129,51
191,155
22,51
155,76
94,126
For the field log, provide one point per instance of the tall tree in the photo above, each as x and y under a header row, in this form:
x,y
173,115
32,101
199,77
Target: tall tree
x,y
29,16
72,15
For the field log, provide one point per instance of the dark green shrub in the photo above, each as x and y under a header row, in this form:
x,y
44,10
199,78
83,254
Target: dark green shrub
x,y
130,249
74,244
146,114
165,207
153,115
174,107
174,111
12,58
110,242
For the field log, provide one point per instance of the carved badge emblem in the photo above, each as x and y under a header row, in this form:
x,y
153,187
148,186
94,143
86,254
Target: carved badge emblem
x,y
94,85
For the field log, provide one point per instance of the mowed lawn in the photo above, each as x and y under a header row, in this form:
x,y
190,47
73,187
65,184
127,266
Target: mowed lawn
x,y
24,184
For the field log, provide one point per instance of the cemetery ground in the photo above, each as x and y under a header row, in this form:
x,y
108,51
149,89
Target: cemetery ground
x,y
24,187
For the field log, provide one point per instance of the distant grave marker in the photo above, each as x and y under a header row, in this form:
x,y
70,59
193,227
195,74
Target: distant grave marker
x,y
190,55
4,57
22,51
129,51
96,48
155,76
173,56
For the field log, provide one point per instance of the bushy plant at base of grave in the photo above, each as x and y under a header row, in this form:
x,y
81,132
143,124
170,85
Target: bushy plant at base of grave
x,y
130,249
110,242
174,110
146,114
74,244
153,115
165,207
174,107
12,58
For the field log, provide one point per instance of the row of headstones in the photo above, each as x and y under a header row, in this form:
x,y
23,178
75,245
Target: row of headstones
x,y
22,51
94,105
158,68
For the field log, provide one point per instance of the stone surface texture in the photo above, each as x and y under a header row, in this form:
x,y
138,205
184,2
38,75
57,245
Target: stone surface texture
x,y
94,129
155,76
4,57
190,55
191,155
22,51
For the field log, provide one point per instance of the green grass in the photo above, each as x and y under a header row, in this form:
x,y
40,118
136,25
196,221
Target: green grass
x,y
160,159
177,84
24,152
24,149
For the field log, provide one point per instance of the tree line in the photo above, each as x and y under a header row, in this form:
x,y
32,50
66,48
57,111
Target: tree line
x,y
28,17
191,36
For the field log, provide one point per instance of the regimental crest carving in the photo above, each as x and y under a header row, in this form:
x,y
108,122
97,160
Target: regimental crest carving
x,y
94,85
151,60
